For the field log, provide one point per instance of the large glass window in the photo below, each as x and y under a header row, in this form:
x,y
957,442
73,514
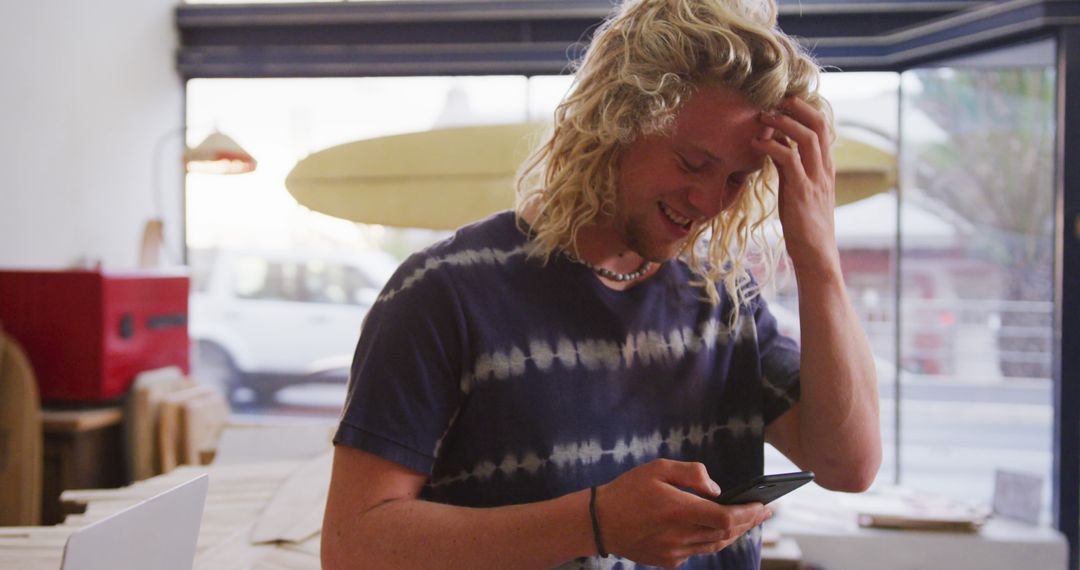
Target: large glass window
x,y
947,254
977,284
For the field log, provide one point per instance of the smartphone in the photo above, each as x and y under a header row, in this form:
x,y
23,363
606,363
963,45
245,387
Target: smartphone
x,y
765,488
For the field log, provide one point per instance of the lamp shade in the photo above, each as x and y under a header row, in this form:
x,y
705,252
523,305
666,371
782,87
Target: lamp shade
x,y
216,154
219,154
442,179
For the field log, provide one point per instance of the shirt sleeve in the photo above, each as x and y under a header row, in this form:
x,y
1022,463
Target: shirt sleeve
x,y
779,364
404,386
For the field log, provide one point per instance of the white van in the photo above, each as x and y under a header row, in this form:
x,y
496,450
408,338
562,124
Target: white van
x,y
262,320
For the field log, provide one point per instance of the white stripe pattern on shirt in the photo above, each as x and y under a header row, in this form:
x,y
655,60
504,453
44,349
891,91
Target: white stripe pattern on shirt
x,y
637,349
778,391
466,257
639,448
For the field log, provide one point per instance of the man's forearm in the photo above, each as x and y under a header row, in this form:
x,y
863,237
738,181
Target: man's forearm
x,y
839,421
411,533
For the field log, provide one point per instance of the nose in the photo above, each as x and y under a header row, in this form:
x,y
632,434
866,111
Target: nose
x,y
710,196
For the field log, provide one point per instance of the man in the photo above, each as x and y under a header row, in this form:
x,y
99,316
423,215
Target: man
x,y
581,376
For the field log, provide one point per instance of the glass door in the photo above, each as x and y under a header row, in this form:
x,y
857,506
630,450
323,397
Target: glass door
x,y
976,262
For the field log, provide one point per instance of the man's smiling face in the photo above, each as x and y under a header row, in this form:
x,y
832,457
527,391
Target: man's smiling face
x,y
672,184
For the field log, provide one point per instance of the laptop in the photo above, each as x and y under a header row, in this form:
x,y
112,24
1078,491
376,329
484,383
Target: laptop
x,y
159,533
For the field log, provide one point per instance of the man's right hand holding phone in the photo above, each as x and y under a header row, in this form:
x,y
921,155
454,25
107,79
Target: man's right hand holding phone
x,y
645,515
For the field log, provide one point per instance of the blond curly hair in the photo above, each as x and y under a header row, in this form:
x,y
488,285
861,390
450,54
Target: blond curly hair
x,y
641,66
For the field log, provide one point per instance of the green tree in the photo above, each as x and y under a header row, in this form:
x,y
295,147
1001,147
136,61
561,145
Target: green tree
x,y
995,170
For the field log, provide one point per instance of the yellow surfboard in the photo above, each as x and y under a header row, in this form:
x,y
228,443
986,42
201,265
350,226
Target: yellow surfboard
x,y
438,179
445,178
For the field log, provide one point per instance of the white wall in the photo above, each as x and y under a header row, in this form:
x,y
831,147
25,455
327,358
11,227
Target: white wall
x,y
86,89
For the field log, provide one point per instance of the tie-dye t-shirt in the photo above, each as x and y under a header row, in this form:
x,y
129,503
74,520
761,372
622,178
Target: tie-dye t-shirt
x,y
508,381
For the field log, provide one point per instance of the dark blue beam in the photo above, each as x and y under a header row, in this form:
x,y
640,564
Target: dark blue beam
x,y
1067,303
406,37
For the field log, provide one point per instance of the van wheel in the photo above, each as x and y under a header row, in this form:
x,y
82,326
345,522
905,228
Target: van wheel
x,y
265,396
214,367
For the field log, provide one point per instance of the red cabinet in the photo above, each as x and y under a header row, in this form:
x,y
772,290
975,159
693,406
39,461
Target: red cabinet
x,y
88,333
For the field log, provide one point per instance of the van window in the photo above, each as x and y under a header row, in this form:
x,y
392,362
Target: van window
x,y
250,278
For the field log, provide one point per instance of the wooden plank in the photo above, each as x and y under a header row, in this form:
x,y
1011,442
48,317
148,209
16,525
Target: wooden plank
x,y
203,417
172,434
282,559
43,544
73,421
256,444
232,552
295,512
147,391
37,562
30,532
311,546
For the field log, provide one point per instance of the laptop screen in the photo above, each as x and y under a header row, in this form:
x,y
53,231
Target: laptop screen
x,y
159,532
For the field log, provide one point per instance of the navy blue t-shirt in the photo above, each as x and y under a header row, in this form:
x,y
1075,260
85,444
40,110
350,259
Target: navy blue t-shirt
x,y
508,381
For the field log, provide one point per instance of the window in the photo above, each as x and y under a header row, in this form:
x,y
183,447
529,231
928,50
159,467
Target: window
x,y
977,299
289,316
254,278
956,306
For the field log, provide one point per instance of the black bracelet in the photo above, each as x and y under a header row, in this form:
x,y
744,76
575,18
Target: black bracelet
x,y
597,538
